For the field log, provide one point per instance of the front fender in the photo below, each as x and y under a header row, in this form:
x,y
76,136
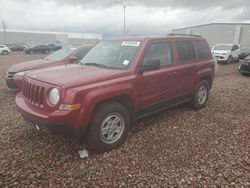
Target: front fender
x,y
101,94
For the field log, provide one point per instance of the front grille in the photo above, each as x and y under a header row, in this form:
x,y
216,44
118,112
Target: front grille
x,y
33,94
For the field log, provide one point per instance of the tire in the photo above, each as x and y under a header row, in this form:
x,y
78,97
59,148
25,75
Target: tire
x,y
5,52
104,133
229,59
200,98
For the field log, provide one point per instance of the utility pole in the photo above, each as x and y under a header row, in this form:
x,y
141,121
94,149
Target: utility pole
x,y
124,16
4,31
124,19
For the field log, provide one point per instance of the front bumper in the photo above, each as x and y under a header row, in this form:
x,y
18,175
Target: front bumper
x,y
243,68
221,58
55,122
50,128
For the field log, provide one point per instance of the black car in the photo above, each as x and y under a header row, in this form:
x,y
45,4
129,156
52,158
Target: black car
x,y
244,52
37,49
244,67
18,48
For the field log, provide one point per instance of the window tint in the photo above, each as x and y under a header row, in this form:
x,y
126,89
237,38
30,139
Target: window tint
x,y
161,51
235,47
203,49
80,54
185,50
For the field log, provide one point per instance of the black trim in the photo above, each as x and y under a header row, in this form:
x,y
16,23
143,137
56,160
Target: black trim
x,y
50,128
163,105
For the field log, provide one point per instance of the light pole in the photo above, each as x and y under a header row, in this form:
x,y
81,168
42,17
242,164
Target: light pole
x,y
124,16
4,31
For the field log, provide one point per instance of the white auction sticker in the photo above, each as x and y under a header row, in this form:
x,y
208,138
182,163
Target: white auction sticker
x,y
130,43
125,62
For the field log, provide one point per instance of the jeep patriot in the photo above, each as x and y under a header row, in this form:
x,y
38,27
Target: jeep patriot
x,y
117,82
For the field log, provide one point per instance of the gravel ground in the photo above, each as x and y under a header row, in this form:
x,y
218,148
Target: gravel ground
x,y
179,147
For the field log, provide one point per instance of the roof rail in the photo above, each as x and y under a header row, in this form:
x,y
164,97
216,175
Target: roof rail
x,y
176,34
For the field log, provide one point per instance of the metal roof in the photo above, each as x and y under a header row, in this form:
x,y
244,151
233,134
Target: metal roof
x,y
211,24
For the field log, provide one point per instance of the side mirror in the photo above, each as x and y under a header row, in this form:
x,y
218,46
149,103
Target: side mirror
x,y
150,64
73,59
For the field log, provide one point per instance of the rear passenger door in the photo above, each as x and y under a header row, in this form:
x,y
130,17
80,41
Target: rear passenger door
x,y
187,67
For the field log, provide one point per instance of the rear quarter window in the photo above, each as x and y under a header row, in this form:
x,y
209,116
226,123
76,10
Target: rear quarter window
x,y
185,51
203,49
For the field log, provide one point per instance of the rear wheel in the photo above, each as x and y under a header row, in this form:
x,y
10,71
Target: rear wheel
x,y
201,95
109,127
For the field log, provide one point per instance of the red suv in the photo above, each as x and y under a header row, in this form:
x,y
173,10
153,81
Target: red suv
x,y
117,82
14,76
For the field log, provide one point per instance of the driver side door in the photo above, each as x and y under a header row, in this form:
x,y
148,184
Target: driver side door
x,y
156,86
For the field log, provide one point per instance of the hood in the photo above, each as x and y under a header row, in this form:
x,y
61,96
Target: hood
x,y
30,65
245,51
73,75
220,51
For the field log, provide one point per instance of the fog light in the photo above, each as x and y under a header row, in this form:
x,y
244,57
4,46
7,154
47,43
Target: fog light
x,y
37,127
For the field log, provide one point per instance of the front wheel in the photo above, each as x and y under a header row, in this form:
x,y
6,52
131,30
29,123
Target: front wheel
x,y
201,95
5,52
109,127
229,59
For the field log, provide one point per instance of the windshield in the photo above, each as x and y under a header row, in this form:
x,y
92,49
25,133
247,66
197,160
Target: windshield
x,y
60,54
223,47
112,54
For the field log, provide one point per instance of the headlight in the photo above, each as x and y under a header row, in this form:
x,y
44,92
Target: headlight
x,y
21,73
54,96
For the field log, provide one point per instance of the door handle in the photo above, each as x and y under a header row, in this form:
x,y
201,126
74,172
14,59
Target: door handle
x,y
171,73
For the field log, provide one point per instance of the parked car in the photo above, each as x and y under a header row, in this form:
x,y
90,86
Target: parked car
x,y
37,49
244,52
18,48
118,81
244,67
4,50
14,76
226,53
54,47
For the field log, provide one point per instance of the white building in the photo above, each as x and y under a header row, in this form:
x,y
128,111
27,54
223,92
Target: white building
x,y
27,37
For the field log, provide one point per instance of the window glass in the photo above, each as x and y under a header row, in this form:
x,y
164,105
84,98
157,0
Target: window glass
x,y
161,51
80,54
113,54
235,47
185,50
203,49
60,54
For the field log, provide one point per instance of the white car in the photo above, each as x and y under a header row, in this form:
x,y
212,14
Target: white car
x,y
4,50
227,53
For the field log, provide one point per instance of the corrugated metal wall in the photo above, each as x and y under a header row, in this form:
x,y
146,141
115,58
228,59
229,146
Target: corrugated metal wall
x,y
220,33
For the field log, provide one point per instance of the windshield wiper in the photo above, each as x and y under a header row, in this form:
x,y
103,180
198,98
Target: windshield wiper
x,y
96,64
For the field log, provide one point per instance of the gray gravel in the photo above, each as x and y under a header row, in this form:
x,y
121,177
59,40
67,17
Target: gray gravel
x,y
179,147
